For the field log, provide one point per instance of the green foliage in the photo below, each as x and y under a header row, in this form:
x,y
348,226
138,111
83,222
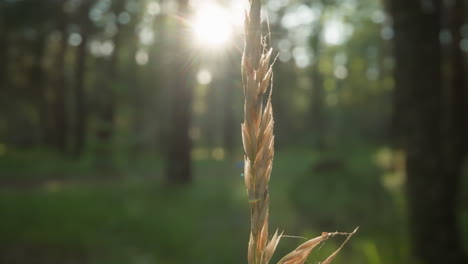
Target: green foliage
x,y
342,180
135,218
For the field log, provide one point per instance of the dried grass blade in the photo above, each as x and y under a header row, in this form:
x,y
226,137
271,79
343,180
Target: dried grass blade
x,y
301,252
271,247
333,255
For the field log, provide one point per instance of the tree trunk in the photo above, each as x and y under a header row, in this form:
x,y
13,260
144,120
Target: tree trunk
x,y
210,126
145,115
140,106
37,84
80,71
317,101
178,160
317,108
458,91
60,87
229,120
106,112
432,191
3,77
3,51
159,62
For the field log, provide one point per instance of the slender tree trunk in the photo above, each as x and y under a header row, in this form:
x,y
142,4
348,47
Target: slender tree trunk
x,y
229,120
106,113
80,72
458,91
138,78
60,86
3,52
317,101
37,84
143,117
431,187
3,80
317,108
139,106
179,165
160,62
210,124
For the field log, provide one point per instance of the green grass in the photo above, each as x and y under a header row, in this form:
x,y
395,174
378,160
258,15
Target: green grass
x,y
136,219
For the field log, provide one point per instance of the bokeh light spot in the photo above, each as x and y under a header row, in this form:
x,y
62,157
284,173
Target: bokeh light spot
x,y
204,77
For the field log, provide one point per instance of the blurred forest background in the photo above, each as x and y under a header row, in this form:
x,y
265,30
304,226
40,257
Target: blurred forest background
x,y
120,130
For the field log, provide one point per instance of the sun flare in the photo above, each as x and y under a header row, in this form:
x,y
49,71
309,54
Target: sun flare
x,y
212,26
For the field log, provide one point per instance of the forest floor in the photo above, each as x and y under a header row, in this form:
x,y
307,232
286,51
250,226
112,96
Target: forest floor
x,y
62,211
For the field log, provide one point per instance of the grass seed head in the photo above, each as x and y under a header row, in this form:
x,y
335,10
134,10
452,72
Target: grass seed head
x,y
258,142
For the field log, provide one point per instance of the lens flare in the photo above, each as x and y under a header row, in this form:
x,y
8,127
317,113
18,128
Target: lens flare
x,y
212,26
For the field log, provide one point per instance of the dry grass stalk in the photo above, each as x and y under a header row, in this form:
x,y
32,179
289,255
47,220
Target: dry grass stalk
x,y
258,141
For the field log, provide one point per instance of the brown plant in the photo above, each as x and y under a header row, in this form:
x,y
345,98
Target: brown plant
x,y
258,141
